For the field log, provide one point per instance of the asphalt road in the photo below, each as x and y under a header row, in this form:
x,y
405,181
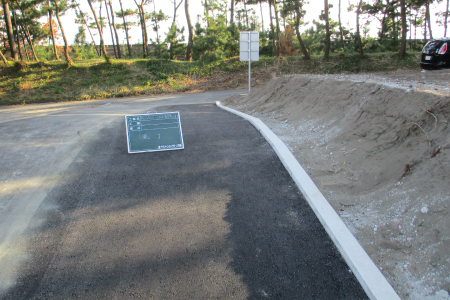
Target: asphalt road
x,y
221,219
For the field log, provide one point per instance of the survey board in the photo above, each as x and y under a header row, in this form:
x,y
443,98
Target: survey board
x,y
154,132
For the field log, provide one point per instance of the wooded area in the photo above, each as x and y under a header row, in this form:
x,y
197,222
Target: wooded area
x,y
29,31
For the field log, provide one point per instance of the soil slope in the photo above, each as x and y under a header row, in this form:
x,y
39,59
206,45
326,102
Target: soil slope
x,y
378,147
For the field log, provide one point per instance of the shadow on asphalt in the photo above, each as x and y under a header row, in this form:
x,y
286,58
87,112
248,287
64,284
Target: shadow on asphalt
x,y
221,219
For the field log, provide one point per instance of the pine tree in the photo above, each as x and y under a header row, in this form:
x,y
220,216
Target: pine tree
x,y
156,18
49,9
119,52
143,22
126,25
30,25
402,50
190,31
358,34
175,38
102,43
299,13
174,32
60,9
82,19
123,14
211,43
327,30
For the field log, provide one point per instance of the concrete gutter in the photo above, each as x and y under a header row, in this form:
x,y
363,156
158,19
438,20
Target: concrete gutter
x,y
370,277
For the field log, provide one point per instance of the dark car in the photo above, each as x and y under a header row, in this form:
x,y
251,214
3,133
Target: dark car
x,y
436,54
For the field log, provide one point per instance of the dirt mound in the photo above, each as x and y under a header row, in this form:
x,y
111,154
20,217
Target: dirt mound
x,y
380,153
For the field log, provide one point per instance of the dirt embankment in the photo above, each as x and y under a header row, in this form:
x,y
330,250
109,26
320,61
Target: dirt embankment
x,y
378,147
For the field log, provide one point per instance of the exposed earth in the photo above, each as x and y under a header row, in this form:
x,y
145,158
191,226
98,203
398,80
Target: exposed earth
x,y
378,148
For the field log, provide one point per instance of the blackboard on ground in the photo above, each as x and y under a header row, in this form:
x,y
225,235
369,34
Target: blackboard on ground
x,y
154,132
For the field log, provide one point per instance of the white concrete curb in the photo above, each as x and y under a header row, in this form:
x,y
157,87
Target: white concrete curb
x,y
371,279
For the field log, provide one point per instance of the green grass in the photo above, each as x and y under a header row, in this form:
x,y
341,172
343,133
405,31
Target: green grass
x,y
95,79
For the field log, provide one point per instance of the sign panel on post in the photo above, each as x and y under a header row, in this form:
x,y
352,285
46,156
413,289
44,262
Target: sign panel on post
x,y
249,51
249,46
154,132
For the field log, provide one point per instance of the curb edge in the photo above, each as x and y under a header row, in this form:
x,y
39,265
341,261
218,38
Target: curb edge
x,y
369,276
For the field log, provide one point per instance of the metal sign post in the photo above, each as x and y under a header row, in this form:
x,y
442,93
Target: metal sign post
x,y
249,51
249,76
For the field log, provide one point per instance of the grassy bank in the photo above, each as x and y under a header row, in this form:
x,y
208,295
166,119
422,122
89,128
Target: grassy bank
x,y
95,79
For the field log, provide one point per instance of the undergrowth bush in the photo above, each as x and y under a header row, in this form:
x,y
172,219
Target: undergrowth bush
x,y
95,79
21,65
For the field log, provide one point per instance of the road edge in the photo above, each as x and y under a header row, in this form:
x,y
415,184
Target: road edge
x,y
369,276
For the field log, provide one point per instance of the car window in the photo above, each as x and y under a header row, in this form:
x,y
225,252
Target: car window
x,y
432,46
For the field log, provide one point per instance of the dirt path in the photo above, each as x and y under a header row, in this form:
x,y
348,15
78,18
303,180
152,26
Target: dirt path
x,y
378,147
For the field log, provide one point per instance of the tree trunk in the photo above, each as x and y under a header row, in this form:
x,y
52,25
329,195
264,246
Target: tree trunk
x,y
174,11
410,29
394,28
90,33
341,32
9,30
175,8
262,18
50,36
278,26
25,48
3,57
383,22
445,20
142,30
23,42
415,30
55,50
358,34
126,30
17,33
115,30
327,31
271,28
246,14
100,16
156,23
190,30
102,43
402,50
206,11
429,19
157,30
297,26
27,34
66,45
110,29
232,12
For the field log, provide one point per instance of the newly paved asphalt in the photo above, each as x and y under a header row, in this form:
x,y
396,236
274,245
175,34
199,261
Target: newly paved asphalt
x,y
221,219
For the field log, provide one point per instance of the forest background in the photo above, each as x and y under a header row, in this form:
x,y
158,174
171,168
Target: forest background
x,y
42,40
213,30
